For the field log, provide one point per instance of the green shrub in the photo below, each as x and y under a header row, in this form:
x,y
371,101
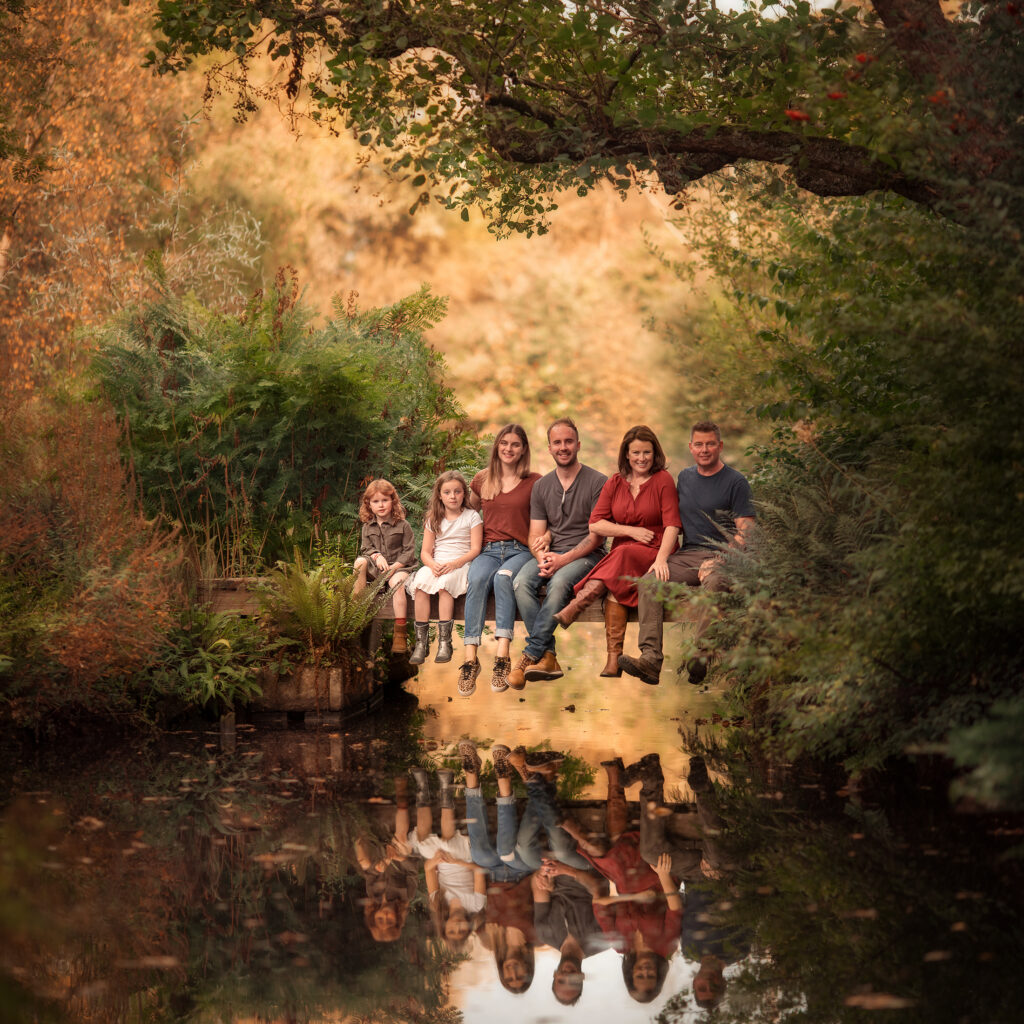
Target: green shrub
x,y
211,659
258,432
880,608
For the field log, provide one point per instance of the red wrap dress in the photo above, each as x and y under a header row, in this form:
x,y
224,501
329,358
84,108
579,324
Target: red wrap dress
x,y
656,506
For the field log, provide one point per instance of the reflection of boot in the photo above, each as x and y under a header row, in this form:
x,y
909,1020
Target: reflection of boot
x,y
540,762
697,775
444,641
648,772
697,668
422,646
585,597
615,619
422,787
446,780
616,816
499,757
470,758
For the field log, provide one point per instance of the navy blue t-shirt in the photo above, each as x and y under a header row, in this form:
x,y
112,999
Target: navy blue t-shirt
x,y
710,505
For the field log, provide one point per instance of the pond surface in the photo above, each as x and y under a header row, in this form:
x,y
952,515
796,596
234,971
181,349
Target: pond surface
x,y
201,878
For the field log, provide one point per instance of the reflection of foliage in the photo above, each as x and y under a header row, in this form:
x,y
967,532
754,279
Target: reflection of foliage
x,y
992,749
575,774
856,906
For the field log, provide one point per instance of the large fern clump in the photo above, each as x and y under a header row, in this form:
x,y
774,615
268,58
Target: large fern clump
x,y
320,612
258,431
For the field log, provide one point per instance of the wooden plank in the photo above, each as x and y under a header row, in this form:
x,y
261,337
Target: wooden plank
x,y
595,613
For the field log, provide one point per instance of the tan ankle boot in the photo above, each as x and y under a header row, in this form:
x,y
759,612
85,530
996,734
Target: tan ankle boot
x,y
615,618
585,597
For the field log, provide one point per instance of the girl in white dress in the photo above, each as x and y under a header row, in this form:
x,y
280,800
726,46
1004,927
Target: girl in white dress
x,y
453,536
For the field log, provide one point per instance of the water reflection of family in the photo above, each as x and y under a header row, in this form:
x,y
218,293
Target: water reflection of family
x,y
546,881
537,544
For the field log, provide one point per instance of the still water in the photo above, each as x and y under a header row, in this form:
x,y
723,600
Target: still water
x,y
188,877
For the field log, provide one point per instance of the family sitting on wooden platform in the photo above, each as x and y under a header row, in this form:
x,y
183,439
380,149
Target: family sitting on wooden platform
x,y
537,547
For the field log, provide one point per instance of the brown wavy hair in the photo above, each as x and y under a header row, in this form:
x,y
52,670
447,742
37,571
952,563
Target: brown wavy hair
x,y
492,474
384,487
641,432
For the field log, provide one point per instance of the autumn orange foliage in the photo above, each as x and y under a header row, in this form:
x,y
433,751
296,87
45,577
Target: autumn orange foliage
x,y
103,584
90,130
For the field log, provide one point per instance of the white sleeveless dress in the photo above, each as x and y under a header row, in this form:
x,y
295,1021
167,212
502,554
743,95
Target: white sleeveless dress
x,y
451,541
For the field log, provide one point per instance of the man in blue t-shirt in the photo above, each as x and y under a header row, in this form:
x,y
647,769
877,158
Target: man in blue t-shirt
x,y
716,507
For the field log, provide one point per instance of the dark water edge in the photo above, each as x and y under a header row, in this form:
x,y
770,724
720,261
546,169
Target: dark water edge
x,y
169,876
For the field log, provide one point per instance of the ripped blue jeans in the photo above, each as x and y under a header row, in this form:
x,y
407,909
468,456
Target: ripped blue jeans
x,y
496,566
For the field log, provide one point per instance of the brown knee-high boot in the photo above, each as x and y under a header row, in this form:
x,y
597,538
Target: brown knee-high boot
x,y
585,597
615,618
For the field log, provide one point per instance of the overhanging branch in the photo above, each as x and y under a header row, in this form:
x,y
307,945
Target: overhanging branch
x,y
823,166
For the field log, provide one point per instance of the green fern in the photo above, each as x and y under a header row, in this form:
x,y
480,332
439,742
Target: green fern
x,y
320,611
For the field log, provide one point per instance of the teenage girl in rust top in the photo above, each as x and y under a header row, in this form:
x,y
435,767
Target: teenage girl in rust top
x,y
502,492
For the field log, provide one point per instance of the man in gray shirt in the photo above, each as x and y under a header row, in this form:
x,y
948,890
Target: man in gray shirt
x,y
715,505
564,550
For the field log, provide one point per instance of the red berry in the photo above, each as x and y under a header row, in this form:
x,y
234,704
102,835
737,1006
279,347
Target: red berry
x,y
797,115
837,95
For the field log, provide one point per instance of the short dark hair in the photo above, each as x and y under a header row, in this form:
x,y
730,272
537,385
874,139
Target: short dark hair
x,y
579,971
716,982
706,427
564,421
641,433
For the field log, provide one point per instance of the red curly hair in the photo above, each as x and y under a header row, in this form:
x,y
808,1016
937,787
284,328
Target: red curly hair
x,y
384,487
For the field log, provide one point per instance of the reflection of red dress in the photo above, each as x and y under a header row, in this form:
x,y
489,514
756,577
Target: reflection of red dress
x,y
656,506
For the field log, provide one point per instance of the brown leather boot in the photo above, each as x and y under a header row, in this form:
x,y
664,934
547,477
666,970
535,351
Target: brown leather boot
x,y
546,668
518,676
615,618
399,642
585,597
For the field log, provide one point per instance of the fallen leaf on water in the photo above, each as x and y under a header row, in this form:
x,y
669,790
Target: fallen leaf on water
x,y
163,962
878,1001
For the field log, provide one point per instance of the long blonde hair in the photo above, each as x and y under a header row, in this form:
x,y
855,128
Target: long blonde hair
x,y
491,485
435,507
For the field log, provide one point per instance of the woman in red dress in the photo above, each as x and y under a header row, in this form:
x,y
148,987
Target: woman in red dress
x,y
639,509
